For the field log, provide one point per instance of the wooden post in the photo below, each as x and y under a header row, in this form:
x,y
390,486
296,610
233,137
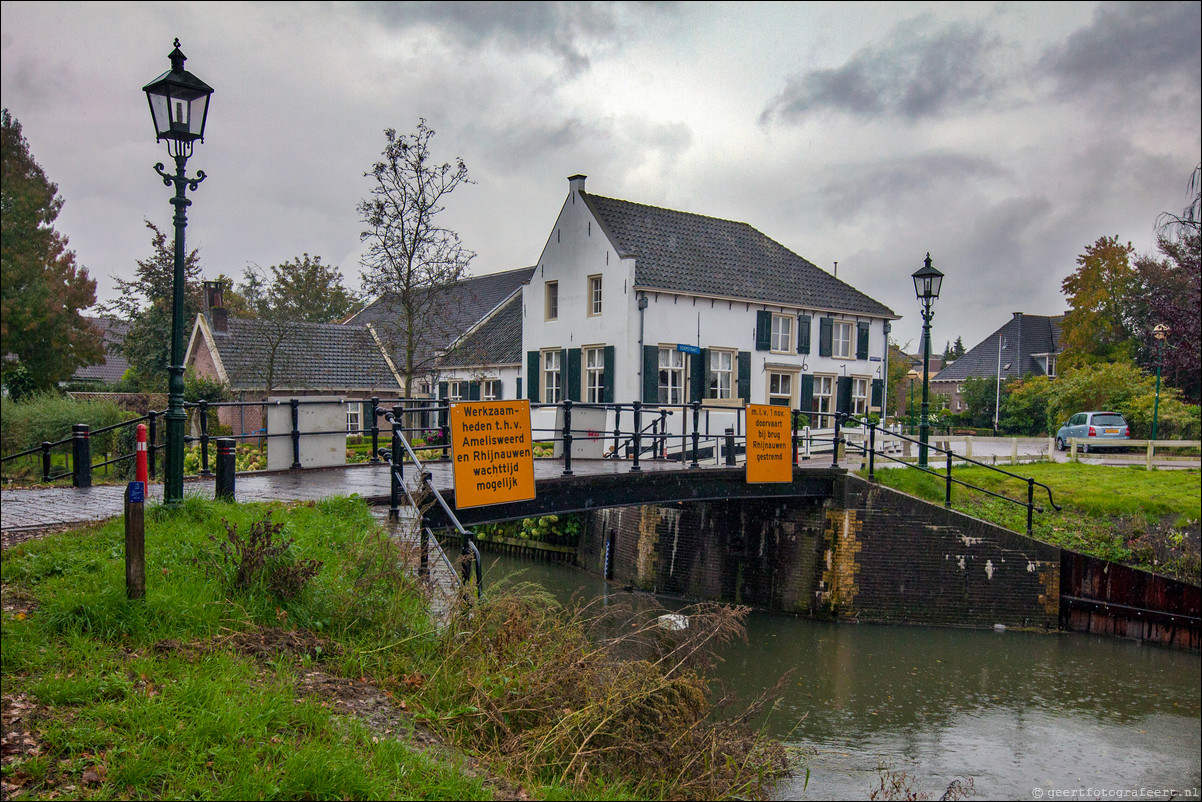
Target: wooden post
x,y
1013,452
135,541
1151,450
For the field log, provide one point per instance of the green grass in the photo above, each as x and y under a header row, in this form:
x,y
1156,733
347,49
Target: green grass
x,y
162,697
1148,519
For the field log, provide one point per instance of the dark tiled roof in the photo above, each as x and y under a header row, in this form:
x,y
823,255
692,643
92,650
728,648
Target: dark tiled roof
x,y
678,251
497,341
460,307
316,356
112,334
1023,335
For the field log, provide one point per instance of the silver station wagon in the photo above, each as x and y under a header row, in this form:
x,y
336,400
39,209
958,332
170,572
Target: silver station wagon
x,y
1094,430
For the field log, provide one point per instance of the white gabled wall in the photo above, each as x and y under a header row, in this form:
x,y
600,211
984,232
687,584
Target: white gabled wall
x,y
578,248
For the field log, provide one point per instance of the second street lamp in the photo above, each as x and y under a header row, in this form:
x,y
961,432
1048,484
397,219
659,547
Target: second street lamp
x,y
927,283
179,105
1161,333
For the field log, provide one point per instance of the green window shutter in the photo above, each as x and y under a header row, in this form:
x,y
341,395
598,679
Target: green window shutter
x,y
744,360
650,374
803,334
763,330
843,403
473,391
518,395
878,389
707,375
862,340
610,374
572,391
444,389
697,376
500,389
532,375
806,400
826,330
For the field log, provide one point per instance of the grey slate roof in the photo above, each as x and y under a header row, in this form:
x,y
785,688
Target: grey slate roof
x,y
498,340
315,356
462,307
112,334
691,253
1023,336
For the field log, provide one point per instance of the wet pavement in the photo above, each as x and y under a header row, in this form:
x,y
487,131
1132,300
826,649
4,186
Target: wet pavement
x,y
56,507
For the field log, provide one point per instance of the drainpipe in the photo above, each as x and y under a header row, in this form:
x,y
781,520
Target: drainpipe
x,y
642,304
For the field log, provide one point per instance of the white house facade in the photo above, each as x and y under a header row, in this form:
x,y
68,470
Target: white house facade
x,y
639,303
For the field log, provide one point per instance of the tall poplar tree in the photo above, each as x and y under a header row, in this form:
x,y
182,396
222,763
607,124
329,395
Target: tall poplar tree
x,y
43,336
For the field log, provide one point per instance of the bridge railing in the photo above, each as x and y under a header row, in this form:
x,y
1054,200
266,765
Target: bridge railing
x,y
394,456
868,448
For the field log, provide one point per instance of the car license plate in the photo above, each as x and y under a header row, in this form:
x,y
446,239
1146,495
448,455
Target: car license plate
x,y
1112,431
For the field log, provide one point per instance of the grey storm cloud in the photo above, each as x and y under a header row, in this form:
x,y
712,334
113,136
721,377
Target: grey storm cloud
x,y
565,30
919,72
1131,48
857,191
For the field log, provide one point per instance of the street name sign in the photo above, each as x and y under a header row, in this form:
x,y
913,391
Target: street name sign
x,y
491,450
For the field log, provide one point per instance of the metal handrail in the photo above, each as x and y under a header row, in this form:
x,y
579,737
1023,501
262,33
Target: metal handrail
x,y
396,469
872,453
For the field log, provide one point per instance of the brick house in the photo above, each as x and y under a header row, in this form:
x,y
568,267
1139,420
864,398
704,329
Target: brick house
x,y
1024,345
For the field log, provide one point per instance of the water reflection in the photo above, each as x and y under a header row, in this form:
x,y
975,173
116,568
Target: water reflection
x,y
1015,711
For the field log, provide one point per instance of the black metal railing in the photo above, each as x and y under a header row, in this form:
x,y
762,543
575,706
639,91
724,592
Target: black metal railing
x,y
868,448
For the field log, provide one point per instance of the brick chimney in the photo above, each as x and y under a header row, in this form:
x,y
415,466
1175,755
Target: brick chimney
x,y
215,301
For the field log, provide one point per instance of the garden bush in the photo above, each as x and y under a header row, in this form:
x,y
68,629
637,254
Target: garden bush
x,y
50,416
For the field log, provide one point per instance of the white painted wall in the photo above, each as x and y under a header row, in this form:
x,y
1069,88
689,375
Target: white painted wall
x,y
578,248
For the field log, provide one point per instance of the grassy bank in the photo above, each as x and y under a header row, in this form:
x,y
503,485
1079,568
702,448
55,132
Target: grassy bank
x,y
289,653
1147,519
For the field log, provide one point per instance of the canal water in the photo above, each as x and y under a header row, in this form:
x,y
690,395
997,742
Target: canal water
x,y
1023,715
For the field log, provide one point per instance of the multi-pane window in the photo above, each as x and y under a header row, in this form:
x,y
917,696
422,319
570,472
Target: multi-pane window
x,y
782,333
490,389
594,296
824,395
1051,366
780,389
354,417
722,364
456,391
552,300
552,374
594,374
859,396
671,376
842,346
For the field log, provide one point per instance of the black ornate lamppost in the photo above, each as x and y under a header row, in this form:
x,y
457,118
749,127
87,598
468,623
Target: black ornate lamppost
x,y
1161,332
179,104
927,281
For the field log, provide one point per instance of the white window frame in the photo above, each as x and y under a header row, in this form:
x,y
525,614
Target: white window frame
x,y
842,346
354,418
551,300
672,376
552,376
489,389
824,399
860,389
594,373
594,295
722,376
456,390
1050,366
782,334
782,388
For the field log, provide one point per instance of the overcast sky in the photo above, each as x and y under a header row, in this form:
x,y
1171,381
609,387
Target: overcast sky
x,y
1003,138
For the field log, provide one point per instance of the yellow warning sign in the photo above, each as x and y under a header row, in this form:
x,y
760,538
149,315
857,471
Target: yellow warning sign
x,y
769,444
491,452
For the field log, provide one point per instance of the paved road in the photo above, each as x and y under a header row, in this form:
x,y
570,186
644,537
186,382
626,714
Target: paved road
x,y
29,510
